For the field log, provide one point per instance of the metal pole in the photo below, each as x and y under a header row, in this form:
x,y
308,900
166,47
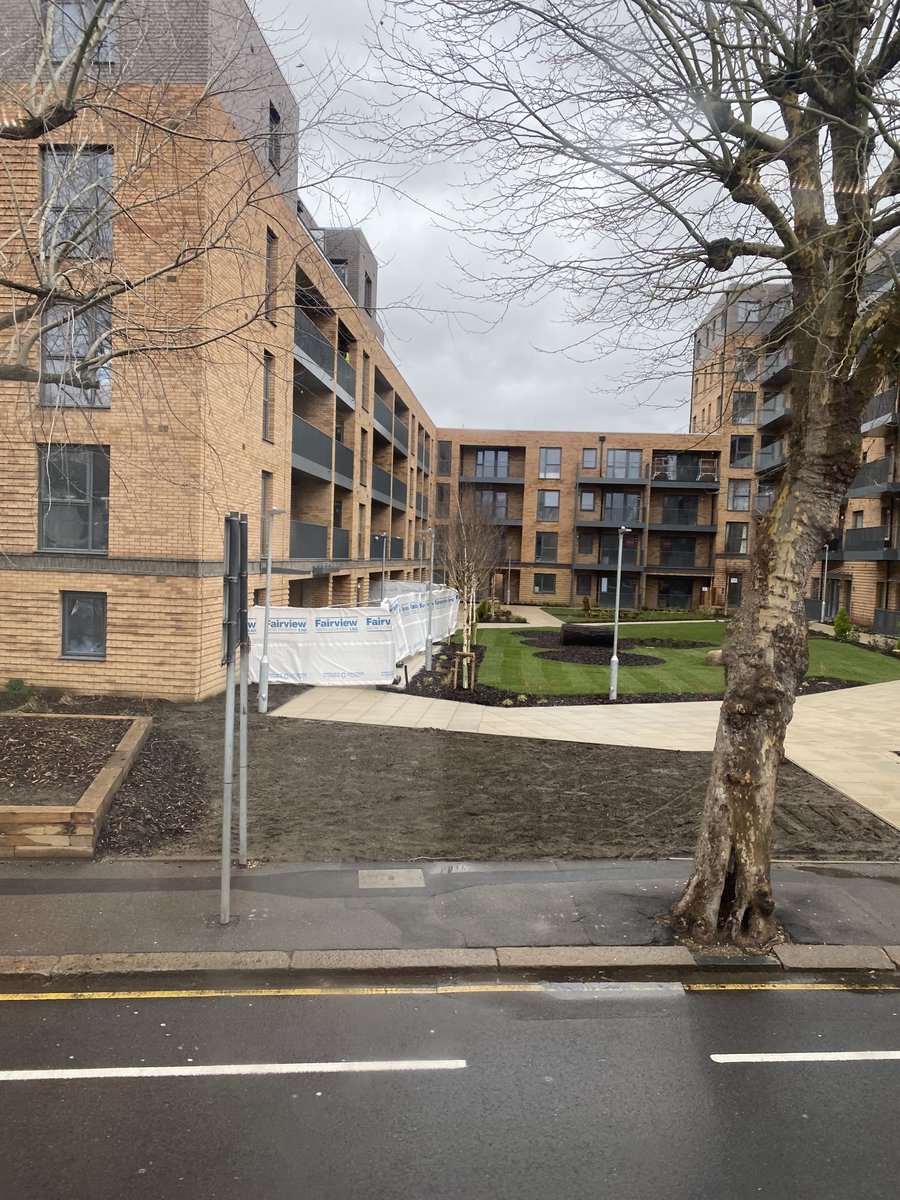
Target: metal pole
x,y
225,898
244,699
428,636
614,661
262,696
383,562
824,584
508,577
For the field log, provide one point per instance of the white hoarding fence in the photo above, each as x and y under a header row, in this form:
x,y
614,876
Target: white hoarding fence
x,y
347,646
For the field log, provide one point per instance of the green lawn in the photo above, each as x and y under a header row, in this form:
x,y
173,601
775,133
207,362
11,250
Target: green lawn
x,y
605,615
514,667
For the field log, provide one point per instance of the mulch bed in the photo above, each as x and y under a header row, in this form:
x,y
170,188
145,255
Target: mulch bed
x,y
52,761
324,791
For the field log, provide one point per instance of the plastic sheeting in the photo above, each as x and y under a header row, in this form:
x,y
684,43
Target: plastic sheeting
x,y
349,646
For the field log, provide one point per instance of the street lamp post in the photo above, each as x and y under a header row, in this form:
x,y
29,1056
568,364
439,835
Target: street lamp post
x,y
614,661
508,573
824,584
262,697
383,537
429,635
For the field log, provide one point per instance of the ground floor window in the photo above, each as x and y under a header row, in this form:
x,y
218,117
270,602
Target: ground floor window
x,y
84,624
545,585
582,585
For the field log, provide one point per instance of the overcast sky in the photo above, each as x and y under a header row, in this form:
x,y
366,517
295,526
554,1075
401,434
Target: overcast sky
x,y
467,362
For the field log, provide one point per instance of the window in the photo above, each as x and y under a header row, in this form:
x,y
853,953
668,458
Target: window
x,y
337,516
83,624
589,458
748,311
550,462
274,141
545,545
271,271
745,360
442,500
444,457
76,185
622,507
741,451
340,269
743,408
739,495
492,464
545,585
265,503
548,506
858,518
585,543
360,536
765,494
67,22
679,510
268,424
368,297
72,340
623,464
736,537
491,504
582,585
363,456
587,501
365,382
74,498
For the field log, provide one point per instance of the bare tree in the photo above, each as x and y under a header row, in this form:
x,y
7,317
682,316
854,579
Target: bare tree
x,y
675,141
469,549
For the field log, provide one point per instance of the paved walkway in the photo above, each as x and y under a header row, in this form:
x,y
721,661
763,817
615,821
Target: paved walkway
x,y
849,739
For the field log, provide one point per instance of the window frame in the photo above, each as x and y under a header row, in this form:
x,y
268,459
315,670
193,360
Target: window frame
x,y
543,591
70,395
548,469
587,508
542,506
614,470
104,49
273,140
266,484
268,414
271,285
733,486
586,464
89,503
66,617
749,416
744,526
98,241
539,551
733,452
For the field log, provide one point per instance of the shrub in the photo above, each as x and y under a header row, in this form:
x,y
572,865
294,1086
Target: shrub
x,y
507,703
842,626
520,699
483,611
18,692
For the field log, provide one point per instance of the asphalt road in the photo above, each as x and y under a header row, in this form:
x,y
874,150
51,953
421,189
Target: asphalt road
x,y
526,1092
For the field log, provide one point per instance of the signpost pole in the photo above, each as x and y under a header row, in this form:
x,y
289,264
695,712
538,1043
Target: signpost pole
x,y
244,638
230,631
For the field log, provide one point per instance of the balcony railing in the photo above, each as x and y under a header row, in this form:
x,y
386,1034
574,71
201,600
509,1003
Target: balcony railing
x,y
875,537
682,469
678,516
308,541
401,434
678,558
764,501
609,557
887,622
882,405
399,493
775,362
311,443
343,462
346,378
875,472
379,544
381,485
770,456
396,547
315,345
383,417
777,407
629,517
340,543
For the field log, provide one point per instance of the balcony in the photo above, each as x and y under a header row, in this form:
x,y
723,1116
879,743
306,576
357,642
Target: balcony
x,y
314,349
775,413
770,457
340,543
677,472
345,384
401,436
609,557
616,516
880,411
887,622
343,465
875,479
683,561
311,450
396,547
869,544
776,365
379,544
381,485
483,475
383,418
678,518
399,494
308,541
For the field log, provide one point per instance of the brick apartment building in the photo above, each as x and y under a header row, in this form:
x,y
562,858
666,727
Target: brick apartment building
x,y
111,500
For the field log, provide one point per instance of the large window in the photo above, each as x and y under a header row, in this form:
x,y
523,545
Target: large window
x,y
583,585
548,506
268,423
274,140
623,464
743,408
442,501
741,451
679,510
765,494
270,302
444,457
67,24
736,537
492,464
745,360
545,585
70,340
748,311
545,547
83,624
491,504
550,462
622,507
739,495
74,498
77,184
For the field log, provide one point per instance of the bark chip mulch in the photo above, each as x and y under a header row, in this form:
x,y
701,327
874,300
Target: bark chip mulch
x,y
49,761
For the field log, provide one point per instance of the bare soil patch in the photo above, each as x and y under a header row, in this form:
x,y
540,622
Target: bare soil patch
x,y
324,791
49,761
